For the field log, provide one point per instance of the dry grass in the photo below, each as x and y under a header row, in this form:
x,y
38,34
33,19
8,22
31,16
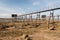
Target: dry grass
x,y
18,30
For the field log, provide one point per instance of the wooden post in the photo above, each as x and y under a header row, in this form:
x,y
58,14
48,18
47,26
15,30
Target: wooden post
x,y
38,18
31,20
25,19
51,16
22,21
58,17
19,18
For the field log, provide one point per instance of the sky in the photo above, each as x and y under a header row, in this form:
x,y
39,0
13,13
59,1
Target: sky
x,y
8,7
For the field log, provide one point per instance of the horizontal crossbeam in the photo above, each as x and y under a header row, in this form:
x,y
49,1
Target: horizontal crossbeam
x,y
42,11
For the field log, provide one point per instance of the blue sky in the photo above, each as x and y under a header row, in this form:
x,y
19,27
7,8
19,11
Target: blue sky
x,y
8,7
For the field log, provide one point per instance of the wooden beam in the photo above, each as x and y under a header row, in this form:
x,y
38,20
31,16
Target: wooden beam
x,y
42,11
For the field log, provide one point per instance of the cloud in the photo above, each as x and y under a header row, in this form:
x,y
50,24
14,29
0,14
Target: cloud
x,y
5,15
5,9
28,8
20,8
5,12
52,4
36,3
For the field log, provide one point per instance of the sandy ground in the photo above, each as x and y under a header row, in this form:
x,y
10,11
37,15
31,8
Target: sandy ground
x,y
39,33
42,35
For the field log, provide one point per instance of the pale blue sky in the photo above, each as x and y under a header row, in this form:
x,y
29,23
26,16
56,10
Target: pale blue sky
x,y
8,7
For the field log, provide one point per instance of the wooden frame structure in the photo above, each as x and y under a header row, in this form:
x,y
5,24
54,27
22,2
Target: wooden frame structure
x,y
24,20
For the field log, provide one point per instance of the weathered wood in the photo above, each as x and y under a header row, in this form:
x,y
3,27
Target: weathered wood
x,y
42,11
49,22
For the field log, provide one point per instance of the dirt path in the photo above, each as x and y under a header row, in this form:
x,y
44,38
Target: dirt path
x,y
44,36
37,36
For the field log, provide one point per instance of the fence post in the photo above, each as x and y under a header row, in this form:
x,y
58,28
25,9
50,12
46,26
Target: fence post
x,y
22,21
51,16
25,19
38,19
58,17
31,20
